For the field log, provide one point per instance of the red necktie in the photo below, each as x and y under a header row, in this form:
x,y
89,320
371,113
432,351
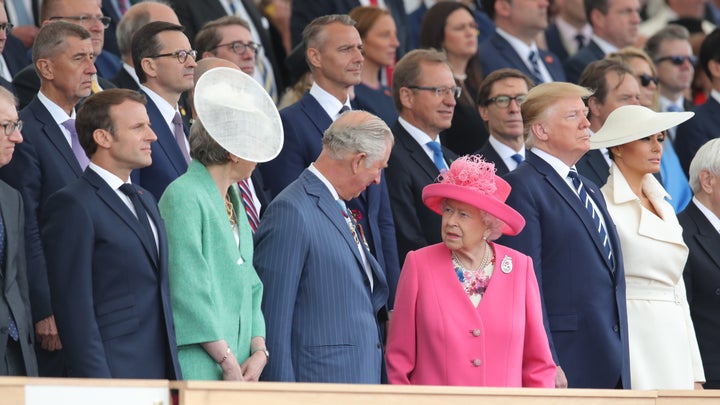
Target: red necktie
x,y
247,199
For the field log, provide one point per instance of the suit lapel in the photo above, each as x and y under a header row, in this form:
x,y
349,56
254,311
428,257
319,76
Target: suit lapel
x,y
707,236
165,138
111,199
8,208
508,53
564,190
52,132
315,113
415,151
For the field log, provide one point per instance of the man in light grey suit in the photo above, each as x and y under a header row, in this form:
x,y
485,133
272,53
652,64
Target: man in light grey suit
x,y
325,294
17,355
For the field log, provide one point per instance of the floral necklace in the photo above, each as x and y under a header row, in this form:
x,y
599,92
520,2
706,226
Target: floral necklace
x,y
475,281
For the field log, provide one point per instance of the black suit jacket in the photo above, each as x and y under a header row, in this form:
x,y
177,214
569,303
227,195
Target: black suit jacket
x,y
110,44
594,166
123,80
575,65
193,14
14,295
695,132
702,283
15,54
409,171
490,155
109,283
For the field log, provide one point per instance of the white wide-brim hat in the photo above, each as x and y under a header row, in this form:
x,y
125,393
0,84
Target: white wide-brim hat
x,y
239,114
632,122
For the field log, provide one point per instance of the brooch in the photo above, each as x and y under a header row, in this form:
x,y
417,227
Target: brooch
x,y
506,265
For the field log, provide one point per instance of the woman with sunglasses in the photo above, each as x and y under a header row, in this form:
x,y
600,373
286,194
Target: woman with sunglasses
x,y
644,70
451,27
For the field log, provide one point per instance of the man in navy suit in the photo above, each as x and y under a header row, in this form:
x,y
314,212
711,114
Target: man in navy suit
x,y
701,231
703,127
580,273
615,25
325,296
615,85
164,63
499,99
570,31
47,161
14,55
334,56
517,24
414,162
107,251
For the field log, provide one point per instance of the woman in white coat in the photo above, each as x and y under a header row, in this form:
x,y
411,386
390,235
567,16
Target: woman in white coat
x,y
664,352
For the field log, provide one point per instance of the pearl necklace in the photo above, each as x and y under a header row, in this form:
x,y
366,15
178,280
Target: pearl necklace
x,y
475,281
487,258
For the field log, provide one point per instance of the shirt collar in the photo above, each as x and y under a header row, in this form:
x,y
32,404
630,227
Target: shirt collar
x,y
314,170
503,150
520,47
167,110
714,220
604,45
58,114
112,180
327,101
558,165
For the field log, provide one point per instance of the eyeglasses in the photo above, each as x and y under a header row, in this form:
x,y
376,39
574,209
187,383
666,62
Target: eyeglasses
x,y
645,80
85,20
7,27
677,60
504,101
239,47
440,91
180,55
10,127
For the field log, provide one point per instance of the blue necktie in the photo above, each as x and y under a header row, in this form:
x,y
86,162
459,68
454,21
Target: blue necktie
x,y
585,199
537,76
517,158
12,326
437,155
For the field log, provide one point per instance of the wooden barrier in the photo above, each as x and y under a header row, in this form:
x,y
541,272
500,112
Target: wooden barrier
x,y
31,391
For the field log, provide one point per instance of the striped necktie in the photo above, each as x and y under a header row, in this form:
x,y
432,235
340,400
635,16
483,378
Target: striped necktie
x,y
537,76
590,207
249,204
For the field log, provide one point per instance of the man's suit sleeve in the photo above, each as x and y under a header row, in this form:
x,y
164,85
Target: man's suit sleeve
x,y
408,230
389,242
691,135
24,174
529,241
68,233
281,245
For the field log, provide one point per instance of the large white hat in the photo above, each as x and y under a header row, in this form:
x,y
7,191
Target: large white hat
x,y
632,122
239,114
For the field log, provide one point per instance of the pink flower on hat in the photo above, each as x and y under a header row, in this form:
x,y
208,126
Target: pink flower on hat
x,y
473,172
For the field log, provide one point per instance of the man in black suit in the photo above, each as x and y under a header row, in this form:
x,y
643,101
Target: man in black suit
x,y
194,14
499,99
570,31
48,159
701,231
135,17
615,25
424,93
615,85
17,355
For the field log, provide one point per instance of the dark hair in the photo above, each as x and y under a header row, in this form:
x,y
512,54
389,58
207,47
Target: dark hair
x,y
432,35
208,38
488,7
145,43
595,77
494,77
600,5
366,17
672,32
95,114
710,50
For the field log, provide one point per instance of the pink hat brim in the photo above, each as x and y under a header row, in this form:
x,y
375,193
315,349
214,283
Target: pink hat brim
x,y
434,194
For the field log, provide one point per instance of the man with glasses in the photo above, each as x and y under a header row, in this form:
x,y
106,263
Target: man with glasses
x,y
615,85
48,159
164,63
334,54
228,38
425,94
672,53
84,13
499,99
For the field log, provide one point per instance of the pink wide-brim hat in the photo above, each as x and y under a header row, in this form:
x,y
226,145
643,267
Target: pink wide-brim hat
x,y
472,180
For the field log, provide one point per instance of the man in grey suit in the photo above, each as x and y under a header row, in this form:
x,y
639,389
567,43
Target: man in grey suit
x,y
325,295
17,355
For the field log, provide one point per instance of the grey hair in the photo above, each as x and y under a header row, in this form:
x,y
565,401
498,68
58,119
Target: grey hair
x,y
706,158
203,147
358,132
51,38
314,33
493,225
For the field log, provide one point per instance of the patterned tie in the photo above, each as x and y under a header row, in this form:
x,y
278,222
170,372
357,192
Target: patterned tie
x,y
518,158
249,204
533,59
75,143
12,326
180,136
585,199
131,191
437,155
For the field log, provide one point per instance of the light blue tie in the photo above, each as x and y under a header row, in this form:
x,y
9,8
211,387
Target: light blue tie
x,y
437,155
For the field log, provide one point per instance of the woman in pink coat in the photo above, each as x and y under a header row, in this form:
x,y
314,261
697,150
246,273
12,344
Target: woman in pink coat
x,y
467,311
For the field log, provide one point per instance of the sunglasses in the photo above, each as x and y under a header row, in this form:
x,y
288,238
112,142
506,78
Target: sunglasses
x,y
677,60
645,80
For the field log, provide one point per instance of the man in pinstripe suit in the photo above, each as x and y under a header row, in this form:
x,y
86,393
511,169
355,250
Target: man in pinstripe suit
x,y
324,293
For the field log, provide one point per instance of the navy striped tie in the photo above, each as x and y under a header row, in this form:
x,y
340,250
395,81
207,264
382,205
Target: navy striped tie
x,y
537,76
585,199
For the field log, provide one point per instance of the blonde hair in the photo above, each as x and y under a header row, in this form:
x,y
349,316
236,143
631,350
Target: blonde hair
x,y
542,98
